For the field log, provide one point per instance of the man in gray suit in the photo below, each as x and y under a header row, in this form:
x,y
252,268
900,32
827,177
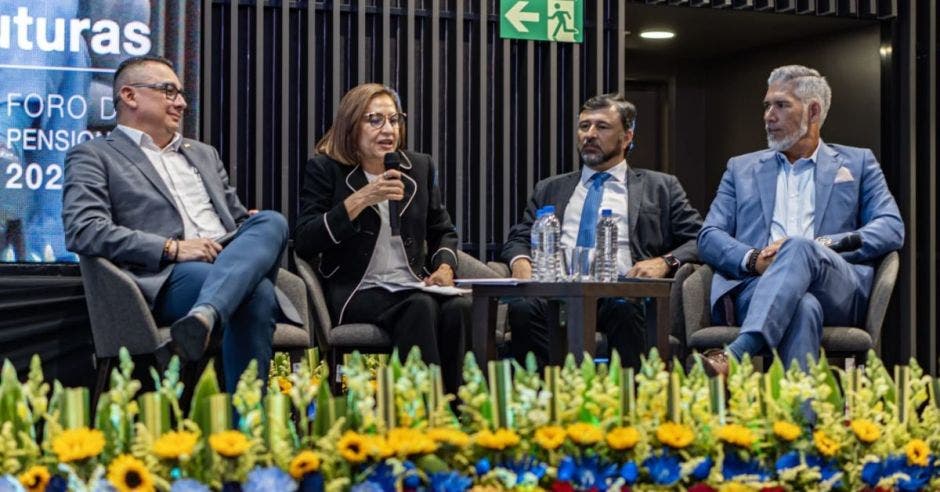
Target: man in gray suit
x,y
656,227
160,207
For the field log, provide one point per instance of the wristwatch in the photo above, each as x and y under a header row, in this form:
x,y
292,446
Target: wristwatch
x,y
672,262
825,241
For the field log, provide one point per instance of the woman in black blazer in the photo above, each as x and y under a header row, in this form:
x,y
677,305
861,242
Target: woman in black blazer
x,y
347,200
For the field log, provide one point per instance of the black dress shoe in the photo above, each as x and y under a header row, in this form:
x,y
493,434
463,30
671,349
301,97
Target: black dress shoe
x,y
715,362
190,336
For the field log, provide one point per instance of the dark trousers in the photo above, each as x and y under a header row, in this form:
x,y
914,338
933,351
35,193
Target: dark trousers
x,y
623,320
240,286
437,325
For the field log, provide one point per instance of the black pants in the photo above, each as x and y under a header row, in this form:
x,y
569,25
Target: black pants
x,y
623,320
437,325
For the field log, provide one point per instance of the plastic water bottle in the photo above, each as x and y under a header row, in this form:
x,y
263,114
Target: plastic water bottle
x,y
536,244
605,256
551,246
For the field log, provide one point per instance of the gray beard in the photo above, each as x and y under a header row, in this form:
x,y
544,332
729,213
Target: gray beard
x,y
788,140
593,160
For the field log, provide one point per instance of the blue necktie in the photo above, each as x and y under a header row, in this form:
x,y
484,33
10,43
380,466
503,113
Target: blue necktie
x,y
590,211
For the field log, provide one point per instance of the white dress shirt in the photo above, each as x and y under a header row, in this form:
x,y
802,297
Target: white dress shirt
x,y
614,198
185,184
388,268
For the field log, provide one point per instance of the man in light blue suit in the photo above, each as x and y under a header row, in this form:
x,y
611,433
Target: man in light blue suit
x,y
795,231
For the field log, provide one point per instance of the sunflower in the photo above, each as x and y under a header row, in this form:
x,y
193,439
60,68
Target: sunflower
x,y
129,474
305,462
737,435
499,440
378,447
407,441
173,445
621,438
550,437
453,437
674,435
866,430
735,487
786,431
78,444
353,447
35,478
826,445
918,453
230,443
585,434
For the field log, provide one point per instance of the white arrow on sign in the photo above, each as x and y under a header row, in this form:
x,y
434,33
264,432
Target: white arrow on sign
x,y
516,16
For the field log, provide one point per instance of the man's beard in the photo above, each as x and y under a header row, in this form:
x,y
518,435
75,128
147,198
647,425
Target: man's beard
x,y
782,144
595,159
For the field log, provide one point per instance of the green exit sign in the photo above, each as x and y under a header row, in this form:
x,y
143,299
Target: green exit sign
x,y
542,20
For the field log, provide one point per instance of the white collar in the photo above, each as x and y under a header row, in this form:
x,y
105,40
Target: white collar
x,y
141,138
617,173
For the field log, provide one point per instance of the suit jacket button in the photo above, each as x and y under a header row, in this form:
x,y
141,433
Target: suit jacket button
x,y
409,241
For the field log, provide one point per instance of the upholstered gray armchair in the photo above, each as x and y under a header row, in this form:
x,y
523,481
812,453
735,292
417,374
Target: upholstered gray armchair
x,y
838,341
120,317
335,341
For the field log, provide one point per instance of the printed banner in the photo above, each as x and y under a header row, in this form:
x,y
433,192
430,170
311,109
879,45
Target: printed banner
x,y
57,61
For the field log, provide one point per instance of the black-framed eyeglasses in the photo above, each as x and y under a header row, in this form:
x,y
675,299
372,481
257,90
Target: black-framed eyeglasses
x,y
169,89
377,120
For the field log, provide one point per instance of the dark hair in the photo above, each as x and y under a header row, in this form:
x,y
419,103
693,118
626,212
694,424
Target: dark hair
x,y
341,141
129,63
626,108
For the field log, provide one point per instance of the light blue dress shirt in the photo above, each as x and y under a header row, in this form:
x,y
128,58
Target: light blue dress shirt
x,y
795,199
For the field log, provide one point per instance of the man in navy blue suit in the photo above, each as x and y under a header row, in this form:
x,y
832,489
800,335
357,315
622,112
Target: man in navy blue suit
x,y
795,230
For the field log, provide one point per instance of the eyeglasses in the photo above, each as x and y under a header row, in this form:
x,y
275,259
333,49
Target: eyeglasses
x,y
168,88
377,120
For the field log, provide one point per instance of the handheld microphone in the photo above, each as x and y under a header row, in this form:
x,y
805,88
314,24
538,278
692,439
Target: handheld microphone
x,y
849,242
393,161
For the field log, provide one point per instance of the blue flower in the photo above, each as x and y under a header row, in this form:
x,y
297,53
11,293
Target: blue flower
x,y
918,476
871,473
734,466
367,486
9,483
449,482
312,482
271,478
664,469
586,473
702,470
57,484
566,468
827,469
787,461
382,475
483,466
188,485
526,467
629,472
312,410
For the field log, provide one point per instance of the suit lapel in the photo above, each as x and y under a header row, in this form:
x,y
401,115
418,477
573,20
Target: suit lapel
x,y
827,164
355,180
131,151
567,189
766,179
213,186
634,192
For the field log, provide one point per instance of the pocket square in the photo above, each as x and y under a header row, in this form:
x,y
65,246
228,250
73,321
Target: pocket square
x,y
843,175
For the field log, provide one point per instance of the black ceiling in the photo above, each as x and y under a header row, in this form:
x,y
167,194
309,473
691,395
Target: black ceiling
x,y
703,33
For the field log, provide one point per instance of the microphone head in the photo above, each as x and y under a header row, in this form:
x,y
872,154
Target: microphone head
x,y
392,160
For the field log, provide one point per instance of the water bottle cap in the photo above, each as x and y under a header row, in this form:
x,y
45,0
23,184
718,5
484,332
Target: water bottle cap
x,y
606,213
539,213
550,209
